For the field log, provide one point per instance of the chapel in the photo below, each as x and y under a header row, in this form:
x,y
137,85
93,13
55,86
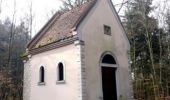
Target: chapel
x,y
81,54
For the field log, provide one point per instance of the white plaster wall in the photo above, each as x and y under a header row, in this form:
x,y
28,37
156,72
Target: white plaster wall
x,y
96,43
70,54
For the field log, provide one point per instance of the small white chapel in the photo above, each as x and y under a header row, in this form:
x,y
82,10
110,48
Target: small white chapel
x,y
81,54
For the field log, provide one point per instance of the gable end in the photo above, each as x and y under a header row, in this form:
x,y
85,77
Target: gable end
x,y
119,21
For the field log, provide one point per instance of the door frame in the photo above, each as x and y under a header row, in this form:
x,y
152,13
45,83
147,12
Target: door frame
x,y
116,72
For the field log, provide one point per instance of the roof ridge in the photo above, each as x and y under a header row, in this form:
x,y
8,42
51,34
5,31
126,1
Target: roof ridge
x,y
91,2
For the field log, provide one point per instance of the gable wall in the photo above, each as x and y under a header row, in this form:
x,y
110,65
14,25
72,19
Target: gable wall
x,y
96,43
70,90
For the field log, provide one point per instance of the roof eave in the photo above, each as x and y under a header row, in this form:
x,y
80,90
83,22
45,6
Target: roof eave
x,y
54,45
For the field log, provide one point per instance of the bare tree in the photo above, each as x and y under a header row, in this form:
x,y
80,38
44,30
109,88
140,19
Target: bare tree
x,y
122,4
1,5
30,19
12,29
69,4
11,34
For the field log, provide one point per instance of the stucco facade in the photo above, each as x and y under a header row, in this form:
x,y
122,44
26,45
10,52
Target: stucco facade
x,y
98,43
52,90
82,60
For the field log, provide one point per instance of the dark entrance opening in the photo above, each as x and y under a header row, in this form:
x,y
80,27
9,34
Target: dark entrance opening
x,y
109,78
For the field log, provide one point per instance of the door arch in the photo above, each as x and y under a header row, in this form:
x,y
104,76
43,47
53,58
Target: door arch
x,y
108,73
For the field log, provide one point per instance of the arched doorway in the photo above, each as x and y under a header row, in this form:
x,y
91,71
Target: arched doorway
x,y
108,71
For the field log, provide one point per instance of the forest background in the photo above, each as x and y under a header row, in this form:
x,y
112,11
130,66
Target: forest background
x,y
147,23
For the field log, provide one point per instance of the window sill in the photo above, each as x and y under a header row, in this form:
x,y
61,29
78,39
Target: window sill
x,y
61,82
41,83
107,34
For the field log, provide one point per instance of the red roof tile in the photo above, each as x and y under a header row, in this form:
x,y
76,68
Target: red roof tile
x,y
61,25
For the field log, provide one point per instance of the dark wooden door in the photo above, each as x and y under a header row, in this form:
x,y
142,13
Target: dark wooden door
x,y
109,83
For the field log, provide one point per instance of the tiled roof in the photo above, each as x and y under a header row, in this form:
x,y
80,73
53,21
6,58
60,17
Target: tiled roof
x,y
61,25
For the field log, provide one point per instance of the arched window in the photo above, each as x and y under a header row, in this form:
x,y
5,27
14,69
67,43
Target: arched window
x,y
60,72
41,74
108,59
